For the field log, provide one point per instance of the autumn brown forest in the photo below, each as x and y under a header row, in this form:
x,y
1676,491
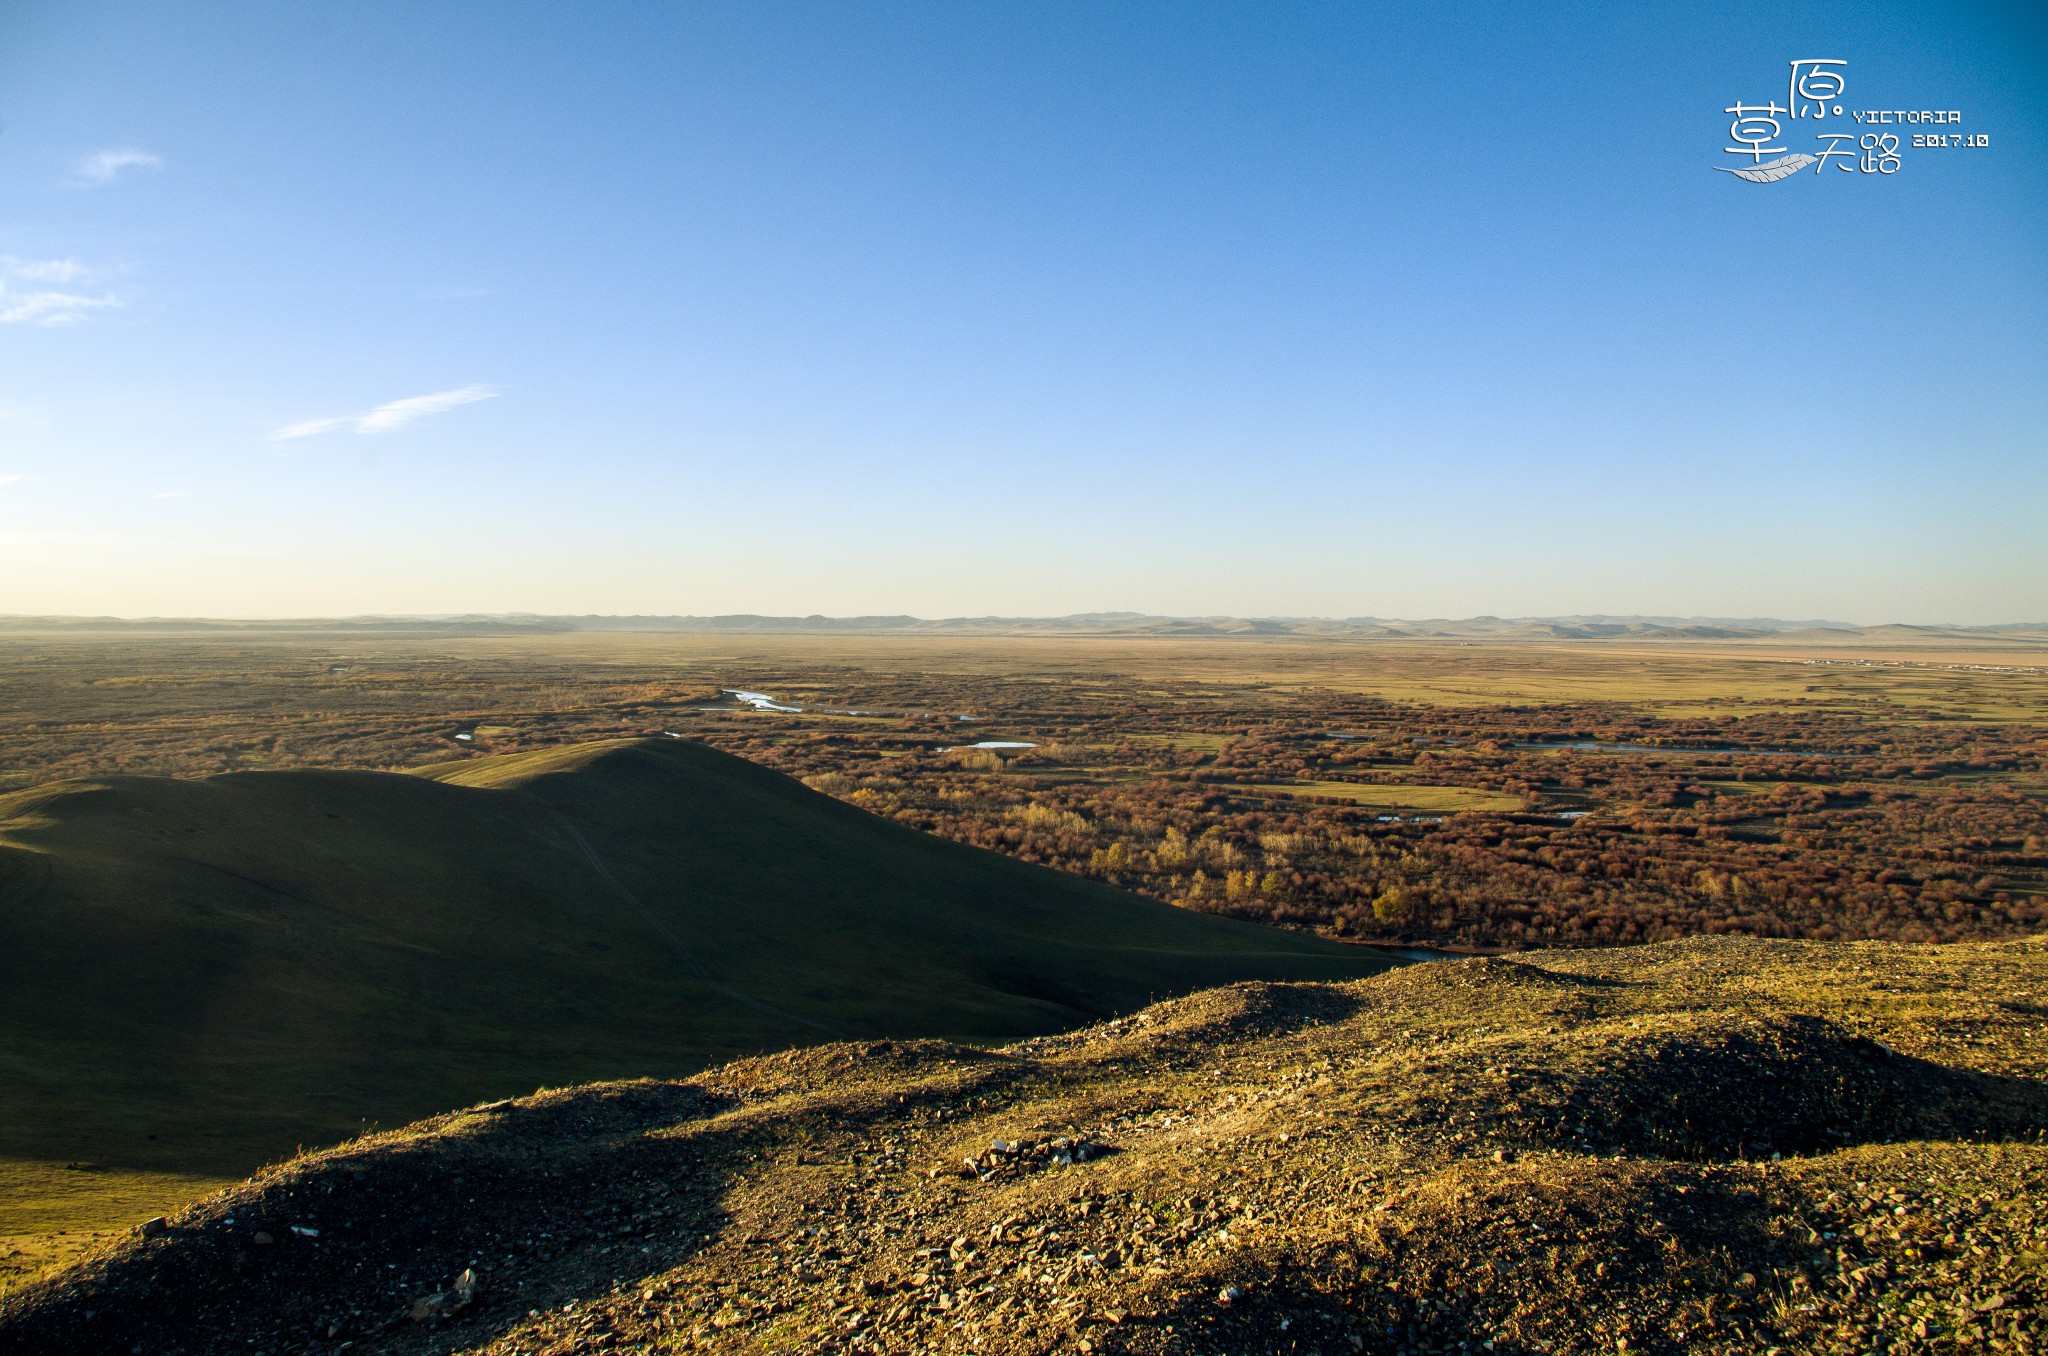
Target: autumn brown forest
x,y
1461,795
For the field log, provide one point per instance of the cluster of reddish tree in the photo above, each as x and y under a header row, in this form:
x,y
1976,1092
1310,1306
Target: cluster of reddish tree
x,y
1833,833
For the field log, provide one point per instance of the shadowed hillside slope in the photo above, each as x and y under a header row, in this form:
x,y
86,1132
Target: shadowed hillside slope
x,y
197,975
1721,1146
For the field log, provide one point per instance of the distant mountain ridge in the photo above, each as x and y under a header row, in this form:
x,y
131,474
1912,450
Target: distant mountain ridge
x,y
1592,627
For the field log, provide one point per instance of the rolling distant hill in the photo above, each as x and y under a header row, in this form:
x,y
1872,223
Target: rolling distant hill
x,y
2033,635
196,975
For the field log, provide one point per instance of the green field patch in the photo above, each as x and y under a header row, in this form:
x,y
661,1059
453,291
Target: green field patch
x,y
38,1197
1201,743
1447,799
844,718
51,1213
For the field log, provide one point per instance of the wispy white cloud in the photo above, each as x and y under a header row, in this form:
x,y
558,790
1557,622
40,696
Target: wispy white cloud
x,y
9,480
28,296
42,270
103,167
312,426
48,308
169,494
399,413
391,415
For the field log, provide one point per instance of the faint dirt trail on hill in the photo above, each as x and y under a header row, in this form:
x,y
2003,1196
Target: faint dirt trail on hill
x,y
675,943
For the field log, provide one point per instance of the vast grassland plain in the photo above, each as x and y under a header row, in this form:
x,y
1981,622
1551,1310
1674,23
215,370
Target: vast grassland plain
x,y
1483,796
1474,795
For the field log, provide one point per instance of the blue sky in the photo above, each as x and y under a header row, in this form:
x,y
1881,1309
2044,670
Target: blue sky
x,y
1255,309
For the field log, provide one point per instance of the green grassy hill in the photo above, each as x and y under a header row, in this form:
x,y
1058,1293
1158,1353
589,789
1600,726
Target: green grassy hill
x,y
199,975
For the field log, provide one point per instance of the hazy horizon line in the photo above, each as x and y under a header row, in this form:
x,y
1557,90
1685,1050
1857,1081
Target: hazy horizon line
x,y
877,619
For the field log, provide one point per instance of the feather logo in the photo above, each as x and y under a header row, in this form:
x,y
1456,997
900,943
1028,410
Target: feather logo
x,y
1771,173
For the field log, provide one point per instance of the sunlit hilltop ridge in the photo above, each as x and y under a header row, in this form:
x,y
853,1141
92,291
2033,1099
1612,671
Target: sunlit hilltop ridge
x,y
1722,1145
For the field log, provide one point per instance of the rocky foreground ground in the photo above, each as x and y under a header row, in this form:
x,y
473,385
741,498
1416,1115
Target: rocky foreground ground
x,y
1713,1145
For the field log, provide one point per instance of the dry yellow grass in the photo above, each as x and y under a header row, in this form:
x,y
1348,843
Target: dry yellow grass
x,y
51,1212
39,1197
